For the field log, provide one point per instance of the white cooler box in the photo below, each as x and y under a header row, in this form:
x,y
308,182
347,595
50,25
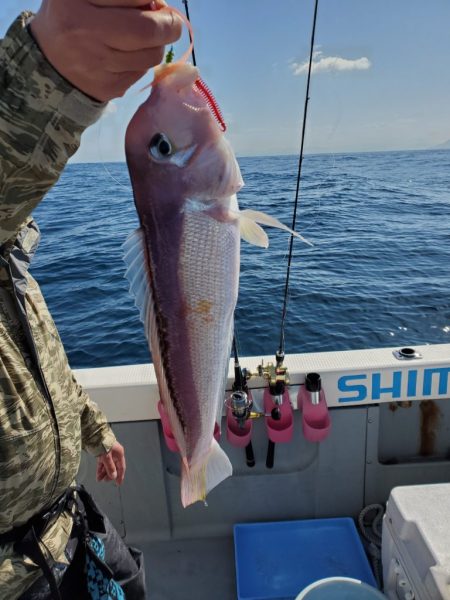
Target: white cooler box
x,y
416,543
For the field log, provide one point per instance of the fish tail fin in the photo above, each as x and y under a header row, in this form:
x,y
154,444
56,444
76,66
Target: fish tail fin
x,y
198,480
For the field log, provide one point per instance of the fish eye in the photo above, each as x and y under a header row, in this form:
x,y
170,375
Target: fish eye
x,y
160,146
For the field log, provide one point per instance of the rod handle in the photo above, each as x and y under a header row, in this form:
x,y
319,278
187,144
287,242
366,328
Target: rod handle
x,y
249,455
270,458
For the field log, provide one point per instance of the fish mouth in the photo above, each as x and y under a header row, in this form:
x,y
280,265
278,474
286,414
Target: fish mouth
x,y
201,88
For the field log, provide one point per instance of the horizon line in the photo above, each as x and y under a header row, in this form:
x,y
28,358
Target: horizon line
x,y
288,154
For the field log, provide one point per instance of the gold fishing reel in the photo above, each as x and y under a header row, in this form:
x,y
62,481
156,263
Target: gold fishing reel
x,y
276,374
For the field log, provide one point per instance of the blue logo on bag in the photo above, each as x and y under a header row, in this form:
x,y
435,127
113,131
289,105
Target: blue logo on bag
x,y
100,586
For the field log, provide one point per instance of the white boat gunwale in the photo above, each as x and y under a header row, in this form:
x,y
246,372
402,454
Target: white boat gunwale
x,y
130,393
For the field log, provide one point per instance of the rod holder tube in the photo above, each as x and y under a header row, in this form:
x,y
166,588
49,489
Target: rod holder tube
x,y
313,384
315,396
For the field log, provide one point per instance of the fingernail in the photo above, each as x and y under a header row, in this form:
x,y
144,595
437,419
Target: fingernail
x,y
157,4
114,474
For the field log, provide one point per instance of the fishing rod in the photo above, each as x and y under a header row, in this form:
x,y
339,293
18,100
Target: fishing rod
x,y
281,347
186,10
241,402
277,374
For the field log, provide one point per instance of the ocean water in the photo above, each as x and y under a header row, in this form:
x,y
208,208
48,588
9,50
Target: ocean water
x,y
378,274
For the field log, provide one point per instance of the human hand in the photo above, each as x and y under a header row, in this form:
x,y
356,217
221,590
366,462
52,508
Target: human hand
x,y
102,47
111,466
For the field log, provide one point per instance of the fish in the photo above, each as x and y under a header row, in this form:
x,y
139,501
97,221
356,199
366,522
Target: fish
x,y
183,261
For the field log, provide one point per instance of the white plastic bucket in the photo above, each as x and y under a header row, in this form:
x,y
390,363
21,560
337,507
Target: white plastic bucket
x,y
340,588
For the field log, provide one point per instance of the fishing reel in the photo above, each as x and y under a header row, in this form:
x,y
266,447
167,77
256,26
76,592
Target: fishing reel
x,y
276,409
276,375
240,404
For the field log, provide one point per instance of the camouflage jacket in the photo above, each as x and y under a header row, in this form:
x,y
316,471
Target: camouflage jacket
x,y
45,416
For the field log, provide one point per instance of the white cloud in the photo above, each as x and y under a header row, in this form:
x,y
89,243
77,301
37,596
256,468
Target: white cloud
x,y
322,64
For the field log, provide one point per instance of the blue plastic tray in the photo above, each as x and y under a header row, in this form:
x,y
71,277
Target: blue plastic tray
x,y
278,560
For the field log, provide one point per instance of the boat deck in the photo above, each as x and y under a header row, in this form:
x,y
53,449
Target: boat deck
x,y
183,569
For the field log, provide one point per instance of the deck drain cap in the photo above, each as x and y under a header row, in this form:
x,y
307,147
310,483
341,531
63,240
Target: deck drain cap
x,y
407,354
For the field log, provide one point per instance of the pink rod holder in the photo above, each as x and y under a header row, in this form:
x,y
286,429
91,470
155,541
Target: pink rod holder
x,y
279,431
169,438
236,435
312,402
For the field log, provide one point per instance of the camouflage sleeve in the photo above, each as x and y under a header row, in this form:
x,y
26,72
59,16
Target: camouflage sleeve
x,y
97,436
42,117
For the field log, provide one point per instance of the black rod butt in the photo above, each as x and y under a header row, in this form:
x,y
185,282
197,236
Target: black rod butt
x,y
270,459
249,455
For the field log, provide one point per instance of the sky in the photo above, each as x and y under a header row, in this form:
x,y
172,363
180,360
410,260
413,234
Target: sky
x,y
380,76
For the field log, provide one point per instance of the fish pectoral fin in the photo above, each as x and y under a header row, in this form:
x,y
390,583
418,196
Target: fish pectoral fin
x,y
260,217
252,233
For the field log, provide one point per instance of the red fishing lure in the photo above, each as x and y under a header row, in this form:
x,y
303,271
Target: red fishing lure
x,y
204,90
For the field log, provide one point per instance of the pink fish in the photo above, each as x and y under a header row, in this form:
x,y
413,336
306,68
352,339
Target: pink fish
x,y
183,261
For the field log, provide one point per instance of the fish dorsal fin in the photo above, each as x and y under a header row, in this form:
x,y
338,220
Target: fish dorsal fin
x,y
259,217
137,275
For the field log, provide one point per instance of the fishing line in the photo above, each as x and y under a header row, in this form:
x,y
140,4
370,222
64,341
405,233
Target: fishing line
x,y
299,175
186,8
185,19
331,176
99,129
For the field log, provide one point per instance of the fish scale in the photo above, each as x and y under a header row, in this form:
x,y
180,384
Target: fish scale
x,y
210,287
